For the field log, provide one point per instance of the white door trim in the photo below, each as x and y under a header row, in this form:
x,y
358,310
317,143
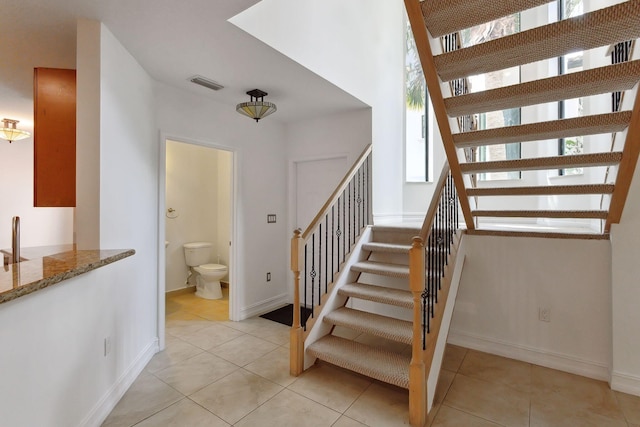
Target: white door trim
x,y
234,291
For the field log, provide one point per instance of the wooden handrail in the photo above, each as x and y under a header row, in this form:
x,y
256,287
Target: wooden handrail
x,y
336,194
435,201
414,12
627,167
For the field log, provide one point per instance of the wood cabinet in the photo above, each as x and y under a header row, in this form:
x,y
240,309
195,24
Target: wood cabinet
x,y
54,137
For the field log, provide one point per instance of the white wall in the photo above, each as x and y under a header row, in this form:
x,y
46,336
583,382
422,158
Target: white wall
x,y
506,279
358,46
626,294
194,191
261,185
57,334
39,226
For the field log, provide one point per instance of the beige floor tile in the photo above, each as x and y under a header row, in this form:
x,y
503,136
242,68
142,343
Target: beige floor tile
x,y
453,357
497,370
290,409
146,396
211,336
195,373
444,383
432,413
330,386
381,406
181,414
595,396
493,402
248,325
276,333
273,366
235,395
244,349
450,417
559,410
345,421
630,406
178,327
175,351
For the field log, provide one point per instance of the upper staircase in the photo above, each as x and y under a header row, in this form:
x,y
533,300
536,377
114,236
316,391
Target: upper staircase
x,y
584,205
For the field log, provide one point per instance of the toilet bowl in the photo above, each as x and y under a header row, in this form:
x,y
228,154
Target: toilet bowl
x,y
197,256
208,280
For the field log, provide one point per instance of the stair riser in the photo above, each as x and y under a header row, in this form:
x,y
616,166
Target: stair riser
x,y
389,282
403,237
391,258
380,308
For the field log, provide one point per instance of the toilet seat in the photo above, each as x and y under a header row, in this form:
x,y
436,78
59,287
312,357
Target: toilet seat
x,y
213,267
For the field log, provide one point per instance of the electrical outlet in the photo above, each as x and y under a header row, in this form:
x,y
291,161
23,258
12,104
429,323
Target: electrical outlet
x,y
544,314
268,277
107,346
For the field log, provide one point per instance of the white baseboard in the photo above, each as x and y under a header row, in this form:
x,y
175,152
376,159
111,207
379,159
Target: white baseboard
x,y
625,383
264,306
387,218
561,362
111,398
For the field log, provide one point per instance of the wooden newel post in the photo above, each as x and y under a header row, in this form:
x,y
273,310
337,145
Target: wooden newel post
x,y
296,359
417,372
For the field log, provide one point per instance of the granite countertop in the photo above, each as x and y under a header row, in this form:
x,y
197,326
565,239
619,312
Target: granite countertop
x,y
39,272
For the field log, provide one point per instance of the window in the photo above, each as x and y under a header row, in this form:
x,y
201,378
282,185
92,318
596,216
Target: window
x,y
570,108
418,122
510,76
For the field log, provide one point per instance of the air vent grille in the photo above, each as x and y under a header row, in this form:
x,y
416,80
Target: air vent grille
x,y
202,81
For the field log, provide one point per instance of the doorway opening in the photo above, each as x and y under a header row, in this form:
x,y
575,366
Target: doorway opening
x,y
197,206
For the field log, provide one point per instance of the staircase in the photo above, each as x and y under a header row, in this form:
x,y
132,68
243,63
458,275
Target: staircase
x,y
382,286
449,65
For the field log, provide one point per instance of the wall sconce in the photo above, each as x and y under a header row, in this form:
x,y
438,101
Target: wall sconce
x,y
257,108
10,133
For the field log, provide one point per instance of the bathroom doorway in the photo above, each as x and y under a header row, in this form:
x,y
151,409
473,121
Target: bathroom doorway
x,y
198,207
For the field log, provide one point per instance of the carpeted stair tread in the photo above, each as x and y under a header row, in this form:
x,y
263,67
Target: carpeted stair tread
x,y
381,294
542,163
546,190
371,323
382,268
602,27
382,365
541,214
554,129
610,78
449,16
386,247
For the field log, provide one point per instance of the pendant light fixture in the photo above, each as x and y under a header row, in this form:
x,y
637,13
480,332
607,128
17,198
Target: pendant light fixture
x,y
10,133
257,108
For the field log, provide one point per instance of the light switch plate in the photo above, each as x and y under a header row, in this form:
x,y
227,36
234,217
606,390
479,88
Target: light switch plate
x,y
271,218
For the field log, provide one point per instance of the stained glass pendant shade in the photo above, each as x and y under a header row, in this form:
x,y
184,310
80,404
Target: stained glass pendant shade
x,y
10,133
257,108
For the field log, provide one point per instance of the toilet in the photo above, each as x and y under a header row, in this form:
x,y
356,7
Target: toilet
x,y
197,255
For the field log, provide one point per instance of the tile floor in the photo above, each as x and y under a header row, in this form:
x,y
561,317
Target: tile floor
x,y
220,373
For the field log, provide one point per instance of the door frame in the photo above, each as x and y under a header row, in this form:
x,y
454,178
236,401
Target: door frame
x,y
234,285
292,195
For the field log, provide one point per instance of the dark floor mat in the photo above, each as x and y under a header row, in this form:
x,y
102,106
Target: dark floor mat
x,y
284,314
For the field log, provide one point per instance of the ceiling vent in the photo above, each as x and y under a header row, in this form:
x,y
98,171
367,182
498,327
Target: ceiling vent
x,y
199,80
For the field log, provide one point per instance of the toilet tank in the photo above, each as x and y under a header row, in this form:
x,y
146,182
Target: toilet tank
x,y
197,253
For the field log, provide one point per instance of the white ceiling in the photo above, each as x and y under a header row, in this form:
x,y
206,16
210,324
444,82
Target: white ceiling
x,y
173,40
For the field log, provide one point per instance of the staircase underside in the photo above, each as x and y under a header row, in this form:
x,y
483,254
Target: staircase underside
x,y
581,206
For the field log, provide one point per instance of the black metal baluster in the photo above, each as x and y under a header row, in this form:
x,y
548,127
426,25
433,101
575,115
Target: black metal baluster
x,y
349,215
333,239
338,233
319,262
344,225
326,252
306,303
312,274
